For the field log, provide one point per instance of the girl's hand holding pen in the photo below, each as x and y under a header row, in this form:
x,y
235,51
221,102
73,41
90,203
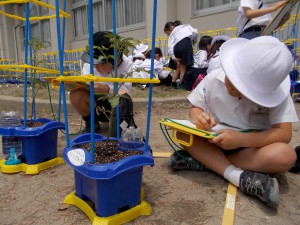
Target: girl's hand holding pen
x,y
205,121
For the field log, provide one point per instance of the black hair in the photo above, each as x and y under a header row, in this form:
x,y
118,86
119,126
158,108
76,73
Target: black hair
x,y
156,51
214,48
204,41
177,23
102,39
168,25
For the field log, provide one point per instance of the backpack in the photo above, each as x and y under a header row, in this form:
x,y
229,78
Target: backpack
x,y
126,114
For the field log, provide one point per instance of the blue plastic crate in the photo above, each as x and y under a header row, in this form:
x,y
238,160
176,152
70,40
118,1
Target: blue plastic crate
x,y
39,144
111,187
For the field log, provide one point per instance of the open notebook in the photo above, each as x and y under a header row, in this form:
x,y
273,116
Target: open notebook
x,y
190,129
188,126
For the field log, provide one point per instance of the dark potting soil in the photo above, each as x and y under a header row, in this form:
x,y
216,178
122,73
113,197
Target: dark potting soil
x,y
34,124
107,151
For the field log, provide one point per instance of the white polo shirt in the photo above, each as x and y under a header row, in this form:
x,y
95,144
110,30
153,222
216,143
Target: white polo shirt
x,y
146,65
124,68
214,62
180,32
200,59
252,4
240,113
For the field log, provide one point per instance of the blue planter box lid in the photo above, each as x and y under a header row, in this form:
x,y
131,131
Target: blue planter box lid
x,y
79,159
32,131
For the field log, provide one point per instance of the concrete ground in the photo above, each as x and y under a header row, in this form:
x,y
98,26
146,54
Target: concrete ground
x,y
183,197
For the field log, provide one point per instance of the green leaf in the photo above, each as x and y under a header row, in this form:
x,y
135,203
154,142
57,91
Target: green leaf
x,y
114,101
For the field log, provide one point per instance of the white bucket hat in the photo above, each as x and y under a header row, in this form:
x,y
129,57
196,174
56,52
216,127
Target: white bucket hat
x,y
219,38
140,48
258,68
139,55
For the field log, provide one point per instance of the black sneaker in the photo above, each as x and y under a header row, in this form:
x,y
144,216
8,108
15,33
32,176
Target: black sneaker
x,y
87,128
182,160
296,168
260,185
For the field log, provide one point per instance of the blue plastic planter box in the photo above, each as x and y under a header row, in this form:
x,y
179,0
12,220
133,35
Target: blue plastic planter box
x,y
295,87
39,144
112,187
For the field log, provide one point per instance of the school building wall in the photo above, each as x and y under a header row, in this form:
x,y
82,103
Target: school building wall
x,y
167,10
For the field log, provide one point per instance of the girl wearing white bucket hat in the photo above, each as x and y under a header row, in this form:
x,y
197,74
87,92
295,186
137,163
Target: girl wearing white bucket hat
x,y
250,92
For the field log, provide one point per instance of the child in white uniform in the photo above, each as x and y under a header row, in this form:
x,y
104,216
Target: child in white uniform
x,y
213,56
254,15
250,91
180,46
195,73
200,58
80,98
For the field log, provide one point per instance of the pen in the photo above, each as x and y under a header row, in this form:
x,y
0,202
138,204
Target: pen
x,y
206,103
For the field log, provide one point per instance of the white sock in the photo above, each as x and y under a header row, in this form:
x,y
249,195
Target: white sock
x,y
232,174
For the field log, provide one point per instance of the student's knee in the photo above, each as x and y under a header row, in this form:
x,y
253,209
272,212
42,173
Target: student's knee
x,y
285,156
77,96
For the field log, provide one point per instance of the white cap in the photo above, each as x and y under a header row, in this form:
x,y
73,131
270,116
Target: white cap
x,y
140,48
219,38
258,68
139,55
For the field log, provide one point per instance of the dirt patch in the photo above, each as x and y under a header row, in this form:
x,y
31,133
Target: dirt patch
x,y
182,197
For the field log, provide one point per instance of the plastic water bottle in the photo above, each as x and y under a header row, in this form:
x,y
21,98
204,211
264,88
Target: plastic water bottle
x,y
137,135
10,119
132,134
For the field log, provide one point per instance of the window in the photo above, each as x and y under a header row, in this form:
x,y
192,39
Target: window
x,y
129,12
38,29
206,6
80,21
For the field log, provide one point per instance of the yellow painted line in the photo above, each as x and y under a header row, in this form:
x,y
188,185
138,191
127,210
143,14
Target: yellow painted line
x,y
162,154
228,214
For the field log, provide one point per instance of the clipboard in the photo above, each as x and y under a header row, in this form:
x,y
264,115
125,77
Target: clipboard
x,y
69,85
187,128
287,8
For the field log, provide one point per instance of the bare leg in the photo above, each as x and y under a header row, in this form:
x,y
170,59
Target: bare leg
x,y
206,153
274,158
176,73
182,72
80,100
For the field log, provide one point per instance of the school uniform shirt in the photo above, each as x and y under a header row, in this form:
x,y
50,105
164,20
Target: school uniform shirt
x,y
180,32
146,65
238,113
252,4
200,59
122,69
214,62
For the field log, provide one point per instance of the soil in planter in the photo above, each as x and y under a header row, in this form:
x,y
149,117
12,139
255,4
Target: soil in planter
x,y
34,124
107,151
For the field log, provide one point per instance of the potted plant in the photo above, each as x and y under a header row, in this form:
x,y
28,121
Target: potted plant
x,y
109,177
38,136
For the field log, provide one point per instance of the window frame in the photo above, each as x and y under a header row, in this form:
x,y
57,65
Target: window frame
x,y
84,3
39,23
233,5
